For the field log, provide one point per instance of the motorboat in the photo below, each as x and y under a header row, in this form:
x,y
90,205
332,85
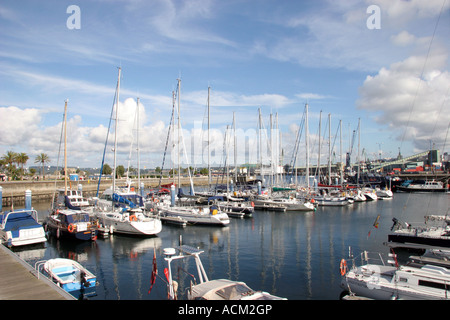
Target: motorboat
x,y
434,233
422,186
220,289
70,276
71,224
70,199
21,227
389,281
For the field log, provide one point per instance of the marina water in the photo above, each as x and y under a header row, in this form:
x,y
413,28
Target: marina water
x,y
294,255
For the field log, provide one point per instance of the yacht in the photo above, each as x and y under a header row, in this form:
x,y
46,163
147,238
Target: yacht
x,y
291,204
20,227
221,289
210,215
422,186
434,233
71,224
388,281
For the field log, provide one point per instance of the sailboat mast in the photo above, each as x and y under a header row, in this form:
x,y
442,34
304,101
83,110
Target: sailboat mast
x,y
115,131
307,145
179,132
329,149
260,146
235,149
65,147
359,145
209,144
341,174
137,141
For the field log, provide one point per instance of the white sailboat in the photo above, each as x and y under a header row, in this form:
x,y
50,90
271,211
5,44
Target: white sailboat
x,y
388,281
220,289
119,213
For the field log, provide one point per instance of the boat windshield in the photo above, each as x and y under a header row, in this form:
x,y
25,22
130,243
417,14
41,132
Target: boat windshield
x,y
78,217
233,291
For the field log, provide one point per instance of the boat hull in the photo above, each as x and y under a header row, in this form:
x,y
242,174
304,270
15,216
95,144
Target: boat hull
x,y
416,240
423,190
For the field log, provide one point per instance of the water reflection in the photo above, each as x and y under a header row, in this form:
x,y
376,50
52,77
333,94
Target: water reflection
x,y
293,254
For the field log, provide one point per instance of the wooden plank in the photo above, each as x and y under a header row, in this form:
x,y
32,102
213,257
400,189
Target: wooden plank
x,y
18,283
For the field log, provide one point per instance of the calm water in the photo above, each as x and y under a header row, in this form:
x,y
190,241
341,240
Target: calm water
x,y
294,254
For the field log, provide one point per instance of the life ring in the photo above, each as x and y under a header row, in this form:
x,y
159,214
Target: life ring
x,y
343,267
133,218
71,228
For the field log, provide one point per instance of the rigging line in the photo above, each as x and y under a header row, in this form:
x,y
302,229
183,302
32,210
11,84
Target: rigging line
x,y
440,110
107,136
421,75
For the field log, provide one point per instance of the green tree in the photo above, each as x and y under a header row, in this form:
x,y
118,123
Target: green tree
x,y
42,159
9,160
120,171
22,159
106,169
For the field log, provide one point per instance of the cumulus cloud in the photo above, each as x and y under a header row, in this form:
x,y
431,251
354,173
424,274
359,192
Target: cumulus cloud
x,y
17,125
412,103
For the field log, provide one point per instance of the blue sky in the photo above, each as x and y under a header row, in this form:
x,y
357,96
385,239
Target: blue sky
x,y
273,55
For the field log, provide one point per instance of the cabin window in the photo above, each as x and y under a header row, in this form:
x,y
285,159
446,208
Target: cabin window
x,y
403,279
432,284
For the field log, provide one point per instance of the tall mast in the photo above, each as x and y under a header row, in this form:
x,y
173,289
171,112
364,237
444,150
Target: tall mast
x,y
307,145
115,130
235,149
320,144
138,151
359,143
65,147
179,132
329,149
209,145
340,153
260,146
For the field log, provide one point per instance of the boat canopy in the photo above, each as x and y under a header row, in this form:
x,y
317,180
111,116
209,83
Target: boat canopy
x,y
13,221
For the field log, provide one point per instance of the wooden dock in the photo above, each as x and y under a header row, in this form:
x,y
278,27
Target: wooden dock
x,y
18,281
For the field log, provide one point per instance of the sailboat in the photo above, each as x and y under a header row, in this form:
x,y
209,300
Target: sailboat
x,y
171,212
117,212
67,222
220,289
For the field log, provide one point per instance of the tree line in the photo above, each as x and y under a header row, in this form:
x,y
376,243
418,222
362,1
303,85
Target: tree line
x,y
12,164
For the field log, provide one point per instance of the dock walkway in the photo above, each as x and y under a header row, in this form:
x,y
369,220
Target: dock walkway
x,y
18,282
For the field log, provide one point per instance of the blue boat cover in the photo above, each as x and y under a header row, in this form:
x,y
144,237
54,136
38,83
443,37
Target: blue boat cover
x,y
19,220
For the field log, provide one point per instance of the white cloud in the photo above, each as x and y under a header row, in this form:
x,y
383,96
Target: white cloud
x,y
414,107
404,38
17,125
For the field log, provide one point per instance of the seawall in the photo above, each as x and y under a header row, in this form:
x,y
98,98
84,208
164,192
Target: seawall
x,y
13,192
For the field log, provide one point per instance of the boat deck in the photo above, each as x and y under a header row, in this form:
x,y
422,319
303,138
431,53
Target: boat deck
x,y
17,281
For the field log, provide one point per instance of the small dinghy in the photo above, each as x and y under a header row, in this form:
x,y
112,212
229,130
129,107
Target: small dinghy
x,y
71,276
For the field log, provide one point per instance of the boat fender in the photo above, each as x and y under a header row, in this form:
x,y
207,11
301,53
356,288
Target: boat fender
x,y
71,228
343,267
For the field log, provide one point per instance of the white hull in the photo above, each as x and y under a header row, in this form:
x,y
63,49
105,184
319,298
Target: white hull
x,y
120,223
331,201
195,215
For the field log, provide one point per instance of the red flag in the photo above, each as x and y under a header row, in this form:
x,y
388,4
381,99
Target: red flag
x,y
154,272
